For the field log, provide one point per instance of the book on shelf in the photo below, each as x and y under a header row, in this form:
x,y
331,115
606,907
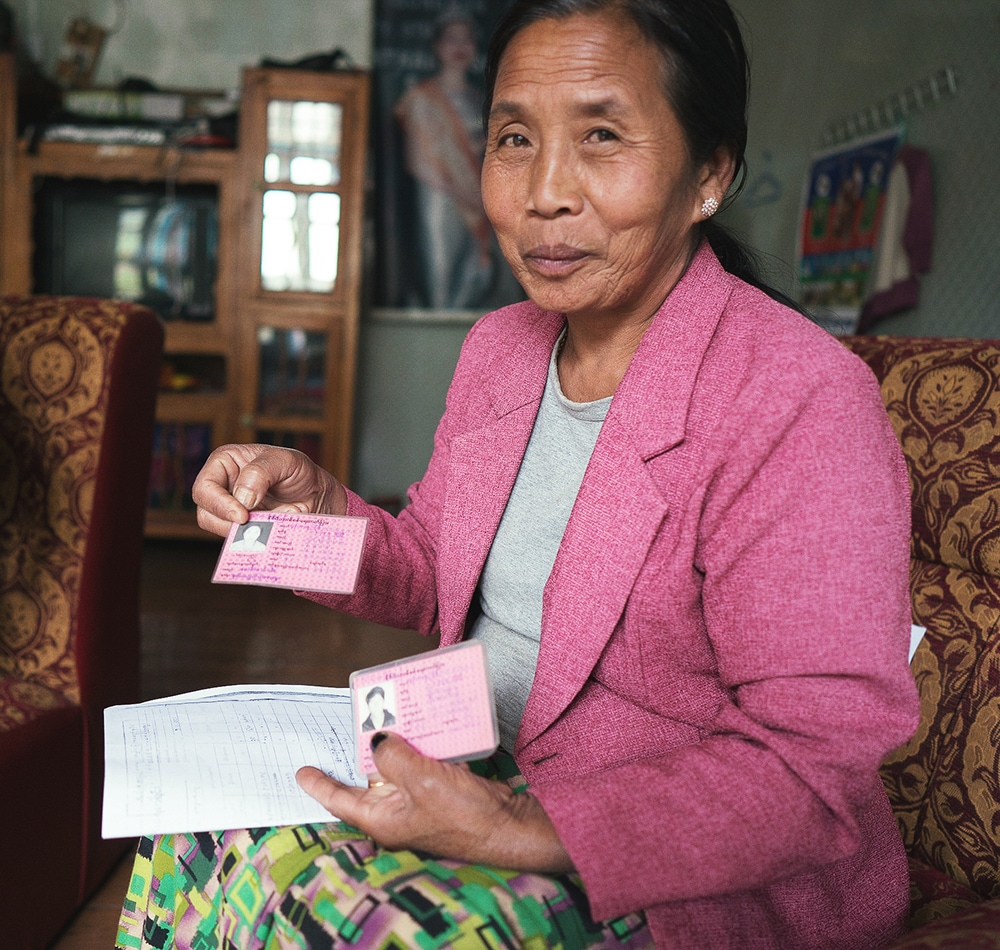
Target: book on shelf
x,y
106,133
125,104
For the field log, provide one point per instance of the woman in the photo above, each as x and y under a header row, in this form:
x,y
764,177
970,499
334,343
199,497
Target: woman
x,y
675,511
443,139
378,715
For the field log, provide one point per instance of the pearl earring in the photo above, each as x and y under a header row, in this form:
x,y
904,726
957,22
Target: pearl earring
x,y
709,206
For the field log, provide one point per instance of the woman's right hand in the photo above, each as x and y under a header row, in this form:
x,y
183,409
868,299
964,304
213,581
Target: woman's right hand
x,y
236,479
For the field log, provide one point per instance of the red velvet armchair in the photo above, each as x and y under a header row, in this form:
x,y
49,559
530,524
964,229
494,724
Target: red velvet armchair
x,y
77,393
943,396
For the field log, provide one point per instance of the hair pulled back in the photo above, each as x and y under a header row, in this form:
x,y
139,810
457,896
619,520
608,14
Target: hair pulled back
x,y
706,81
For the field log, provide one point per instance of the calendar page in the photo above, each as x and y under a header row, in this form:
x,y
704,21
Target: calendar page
x,y
441,702
303,552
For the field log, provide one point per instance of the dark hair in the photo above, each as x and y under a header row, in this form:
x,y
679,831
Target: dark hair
x,y
706,80
374,691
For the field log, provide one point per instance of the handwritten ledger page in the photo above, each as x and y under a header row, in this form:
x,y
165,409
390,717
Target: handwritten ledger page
x,y
223,758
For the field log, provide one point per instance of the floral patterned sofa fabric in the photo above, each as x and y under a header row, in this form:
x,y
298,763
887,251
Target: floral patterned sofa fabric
x,y
77,394
944,401
943,397
53,396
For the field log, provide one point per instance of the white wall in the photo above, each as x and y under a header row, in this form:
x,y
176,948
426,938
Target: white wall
x,y
200,43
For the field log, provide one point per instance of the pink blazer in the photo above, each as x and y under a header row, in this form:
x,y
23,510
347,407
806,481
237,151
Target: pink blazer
x,y
724,634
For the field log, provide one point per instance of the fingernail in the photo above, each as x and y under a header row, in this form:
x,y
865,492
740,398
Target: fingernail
x,y
245,497
378,739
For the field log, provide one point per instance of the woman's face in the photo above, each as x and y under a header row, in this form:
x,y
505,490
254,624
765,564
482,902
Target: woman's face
x,y
587,179
456,46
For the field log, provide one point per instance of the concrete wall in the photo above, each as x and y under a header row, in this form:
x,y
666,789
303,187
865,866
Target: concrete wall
x,y
816,62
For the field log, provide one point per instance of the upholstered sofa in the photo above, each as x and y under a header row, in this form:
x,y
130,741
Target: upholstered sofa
x,y
77,393
943,396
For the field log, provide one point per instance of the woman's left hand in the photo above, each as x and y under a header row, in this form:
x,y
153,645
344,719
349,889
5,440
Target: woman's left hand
x,y
442,808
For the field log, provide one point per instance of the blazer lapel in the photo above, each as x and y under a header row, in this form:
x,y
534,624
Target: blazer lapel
x,y
483,468
621,505
484,463
602,552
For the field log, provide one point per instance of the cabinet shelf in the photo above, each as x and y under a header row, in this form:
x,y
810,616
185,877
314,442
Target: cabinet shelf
x,y
288,423
188,337
126,162
216,362
183,407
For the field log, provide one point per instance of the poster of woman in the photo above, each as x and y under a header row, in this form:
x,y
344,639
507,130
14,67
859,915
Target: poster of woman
x,y
435,247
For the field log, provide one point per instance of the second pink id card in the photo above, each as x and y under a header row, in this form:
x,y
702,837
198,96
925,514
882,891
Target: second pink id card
x,y
441,702
304,552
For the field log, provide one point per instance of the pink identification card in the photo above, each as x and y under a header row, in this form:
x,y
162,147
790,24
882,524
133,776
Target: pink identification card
x,y
441,702
304,552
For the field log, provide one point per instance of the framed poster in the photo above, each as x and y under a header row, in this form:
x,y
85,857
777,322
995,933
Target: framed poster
x,y
842,210
435,253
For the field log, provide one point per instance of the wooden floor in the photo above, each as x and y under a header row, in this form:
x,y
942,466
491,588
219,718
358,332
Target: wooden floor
x,y
196,634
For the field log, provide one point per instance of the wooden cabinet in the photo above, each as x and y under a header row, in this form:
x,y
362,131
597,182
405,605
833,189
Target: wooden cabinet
x,y
271,355
302,166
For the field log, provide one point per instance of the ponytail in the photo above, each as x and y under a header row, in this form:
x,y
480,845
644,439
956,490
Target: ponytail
x,y
739,260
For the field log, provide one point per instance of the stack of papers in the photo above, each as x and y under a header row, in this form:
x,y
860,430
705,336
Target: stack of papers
x,y
223,758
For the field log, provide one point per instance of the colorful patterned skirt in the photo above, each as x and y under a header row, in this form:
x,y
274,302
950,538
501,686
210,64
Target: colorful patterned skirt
x,y
319,886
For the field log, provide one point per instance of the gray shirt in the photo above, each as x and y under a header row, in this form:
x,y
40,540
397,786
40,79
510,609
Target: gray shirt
x,y
525,546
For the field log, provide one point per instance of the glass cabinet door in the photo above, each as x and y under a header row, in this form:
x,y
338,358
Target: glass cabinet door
x,y
291,372
305,140
300,241
300,230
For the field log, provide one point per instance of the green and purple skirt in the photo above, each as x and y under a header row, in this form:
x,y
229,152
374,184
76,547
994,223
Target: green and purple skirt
x,y
324,886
